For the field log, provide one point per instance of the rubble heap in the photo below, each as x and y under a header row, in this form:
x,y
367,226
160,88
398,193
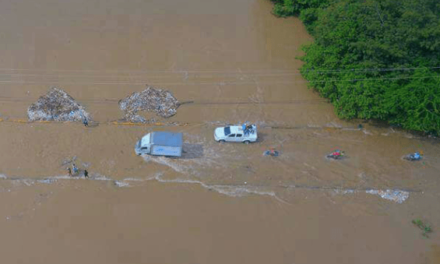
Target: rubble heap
x,y
162,102
57,105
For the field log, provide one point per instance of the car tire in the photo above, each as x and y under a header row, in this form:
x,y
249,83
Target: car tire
x,y
222,141
247,142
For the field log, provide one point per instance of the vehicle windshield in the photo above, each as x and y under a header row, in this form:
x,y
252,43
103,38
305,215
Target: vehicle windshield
x,y
227,131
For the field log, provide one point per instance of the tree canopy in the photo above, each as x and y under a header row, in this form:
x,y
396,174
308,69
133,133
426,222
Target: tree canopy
x,y
374,59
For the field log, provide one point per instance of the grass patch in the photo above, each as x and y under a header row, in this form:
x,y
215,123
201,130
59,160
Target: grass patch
x,y
426,229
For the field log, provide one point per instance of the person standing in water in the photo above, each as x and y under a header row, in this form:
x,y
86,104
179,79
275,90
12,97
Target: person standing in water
x,y
336,153
75,169
86,173
69,171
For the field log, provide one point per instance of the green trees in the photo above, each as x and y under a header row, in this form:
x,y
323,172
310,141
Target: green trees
x,y
374,59
285,8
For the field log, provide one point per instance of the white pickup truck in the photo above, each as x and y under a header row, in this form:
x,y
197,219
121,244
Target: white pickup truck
x,y
236,134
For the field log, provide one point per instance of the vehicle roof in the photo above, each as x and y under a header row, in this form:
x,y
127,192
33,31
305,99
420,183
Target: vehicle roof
x,y
167,139
236,129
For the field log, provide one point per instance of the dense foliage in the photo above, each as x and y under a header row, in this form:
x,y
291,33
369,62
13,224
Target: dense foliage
x,y
285,8
374,59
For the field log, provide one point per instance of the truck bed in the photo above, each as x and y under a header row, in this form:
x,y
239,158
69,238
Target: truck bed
x,y
167,139
160,150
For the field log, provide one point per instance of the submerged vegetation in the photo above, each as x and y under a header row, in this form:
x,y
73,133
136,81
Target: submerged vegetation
x,y
426,229
374,59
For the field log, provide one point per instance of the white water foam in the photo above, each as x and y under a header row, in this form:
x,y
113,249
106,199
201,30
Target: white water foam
x,y
99,177
344,191
229,190
47,181
136,179
126,182
366,132
397,196
210,159
181,168
122,184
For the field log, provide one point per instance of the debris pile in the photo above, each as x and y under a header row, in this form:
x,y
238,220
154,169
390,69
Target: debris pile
x,y
58,106
162,102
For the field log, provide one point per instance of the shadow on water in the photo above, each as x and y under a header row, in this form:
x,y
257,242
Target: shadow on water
x,y
261,137
192,151
93,124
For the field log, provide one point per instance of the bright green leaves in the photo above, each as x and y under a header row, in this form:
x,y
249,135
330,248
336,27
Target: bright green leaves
x,y
374,59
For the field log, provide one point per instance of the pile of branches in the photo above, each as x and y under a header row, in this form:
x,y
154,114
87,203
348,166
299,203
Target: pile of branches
x,y
59,106
161,102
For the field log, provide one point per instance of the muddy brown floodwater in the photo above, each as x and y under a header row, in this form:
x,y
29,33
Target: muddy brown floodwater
x,y
220,203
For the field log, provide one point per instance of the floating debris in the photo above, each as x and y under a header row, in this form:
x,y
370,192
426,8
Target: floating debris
x,y
162,102
397,196
58,106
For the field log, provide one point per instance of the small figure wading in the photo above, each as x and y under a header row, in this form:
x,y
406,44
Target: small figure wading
x,y
86,173
271,152
75,169
336,154
414,156
69,171
85,122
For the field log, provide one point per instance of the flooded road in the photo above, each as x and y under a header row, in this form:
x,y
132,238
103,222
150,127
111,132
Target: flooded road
x,y
220,203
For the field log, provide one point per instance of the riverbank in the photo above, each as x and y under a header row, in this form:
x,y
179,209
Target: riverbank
x,y
372,58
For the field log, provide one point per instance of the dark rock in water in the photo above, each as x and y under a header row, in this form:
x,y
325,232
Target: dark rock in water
x,y
57,105
162,102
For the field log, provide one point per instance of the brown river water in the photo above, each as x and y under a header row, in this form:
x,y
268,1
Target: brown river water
x,y
220,203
